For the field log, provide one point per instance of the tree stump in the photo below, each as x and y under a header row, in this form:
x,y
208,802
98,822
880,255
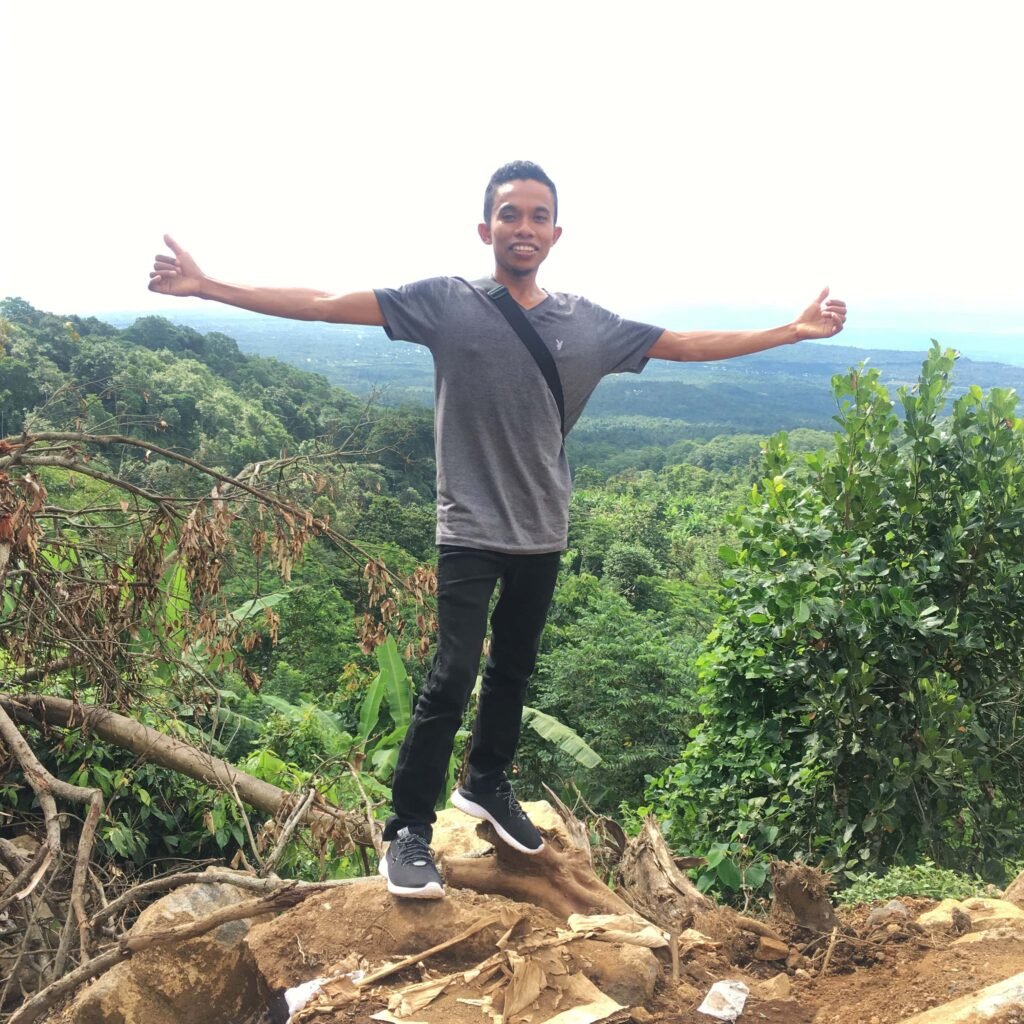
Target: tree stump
x,y
801,893
653,884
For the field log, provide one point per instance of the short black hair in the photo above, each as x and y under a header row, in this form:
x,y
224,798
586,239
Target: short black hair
x,y
517,170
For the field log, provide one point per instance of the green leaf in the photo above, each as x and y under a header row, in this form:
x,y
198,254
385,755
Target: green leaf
x,y
369,711
256,605
566,739
729,875
728,554
754,877
397,687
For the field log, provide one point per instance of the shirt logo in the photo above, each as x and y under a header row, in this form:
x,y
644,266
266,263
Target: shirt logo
x,y
558,344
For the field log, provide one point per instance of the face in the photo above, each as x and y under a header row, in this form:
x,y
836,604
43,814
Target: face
x,y
522,228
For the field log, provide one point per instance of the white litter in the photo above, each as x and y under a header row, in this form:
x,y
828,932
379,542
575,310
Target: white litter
x,y
297,997
725,1000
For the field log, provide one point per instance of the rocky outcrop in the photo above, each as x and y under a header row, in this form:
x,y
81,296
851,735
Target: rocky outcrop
x,y
206,980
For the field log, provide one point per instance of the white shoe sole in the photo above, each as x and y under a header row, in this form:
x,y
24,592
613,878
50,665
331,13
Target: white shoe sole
x,y
431,891
467,806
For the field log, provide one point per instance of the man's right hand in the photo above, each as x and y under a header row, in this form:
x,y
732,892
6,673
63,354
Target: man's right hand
x,y
175,275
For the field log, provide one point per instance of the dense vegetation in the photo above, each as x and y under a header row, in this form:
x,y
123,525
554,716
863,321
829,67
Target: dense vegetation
x,y
808,646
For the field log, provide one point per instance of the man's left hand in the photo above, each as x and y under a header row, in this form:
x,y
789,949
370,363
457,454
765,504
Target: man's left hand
x,y
823,318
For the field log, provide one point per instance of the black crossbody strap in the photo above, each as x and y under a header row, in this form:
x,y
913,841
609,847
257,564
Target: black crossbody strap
x,y
542,356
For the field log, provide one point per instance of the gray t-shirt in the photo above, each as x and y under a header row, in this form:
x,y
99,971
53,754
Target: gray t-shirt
x,y
502,477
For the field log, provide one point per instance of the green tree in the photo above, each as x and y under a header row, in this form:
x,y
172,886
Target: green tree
x,y
862,691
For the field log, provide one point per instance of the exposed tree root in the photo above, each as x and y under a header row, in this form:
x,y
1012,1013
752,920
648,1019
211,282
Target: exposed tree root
x,y
560,878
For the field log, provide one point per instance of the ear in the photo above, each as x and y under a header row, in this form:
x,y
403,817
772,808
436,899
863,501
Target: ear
x,y
556,235
484,231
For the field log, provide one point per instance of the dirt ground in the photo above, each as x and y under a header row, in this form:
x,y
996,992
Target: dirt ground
x,y
870,975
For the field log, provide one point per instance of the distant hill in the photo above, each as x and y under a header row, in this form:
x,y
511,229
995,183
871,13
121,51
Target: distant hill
x,y
782,389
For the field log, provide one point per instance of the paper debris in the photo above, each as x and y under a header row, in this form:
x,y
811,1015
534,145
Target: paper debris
x,y
414,997
528,981
628,928
725,1000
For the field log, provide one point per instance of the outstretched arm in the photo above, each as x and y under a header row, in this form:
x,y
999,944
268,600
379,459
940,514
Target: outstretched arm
x,y
823,318
180,275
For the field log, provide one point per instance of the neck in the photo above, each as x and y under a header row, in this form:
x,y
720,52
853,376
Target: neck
x,y
522,287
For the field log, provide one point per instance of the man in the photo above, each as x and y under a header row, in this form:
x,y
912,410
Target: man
x,y
502,480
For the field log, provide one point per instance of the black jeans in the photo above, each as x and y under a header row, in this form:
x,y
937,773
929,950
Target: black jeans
x,y
466,578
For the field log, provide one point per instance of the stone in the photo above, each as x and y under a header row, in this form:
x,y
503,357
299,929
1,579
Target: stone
x,y
983,1005
206,980
455,832
770,949
1015,893
779,987
627,974
983,914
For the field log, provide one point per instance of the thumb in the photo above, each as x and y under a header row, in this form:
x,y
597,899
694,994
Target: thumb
x,y
173,245
820,299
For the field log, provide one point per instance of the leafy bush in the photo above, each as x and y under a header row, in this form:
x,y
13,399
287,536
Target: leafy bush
x,y
862,690
924,879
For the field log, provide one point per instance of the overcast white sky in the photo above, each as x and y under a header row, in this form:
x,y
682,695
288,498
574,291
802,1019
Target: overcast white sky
x,y
705,153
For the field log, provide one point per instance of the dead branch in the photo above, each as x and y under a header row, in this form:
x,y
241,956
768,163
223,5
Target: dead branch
x,y
155,885
45,787
296,818
170,752
409,961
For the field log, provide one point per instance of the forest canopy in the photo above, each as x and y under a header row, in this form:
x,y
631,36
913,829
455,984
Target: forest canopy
x,y
798,645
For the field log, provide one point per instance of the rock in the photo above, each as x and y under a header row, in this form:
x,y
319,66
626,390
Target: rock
x,y
893,912
455,832
207,980
983,914
1005,995
638,1015
770,949
1015,893
779,987
626,973
1002,931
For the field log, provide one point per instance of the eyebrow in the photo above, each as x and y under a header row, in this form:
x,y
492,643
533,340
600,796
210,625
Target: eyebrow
x,y
515,209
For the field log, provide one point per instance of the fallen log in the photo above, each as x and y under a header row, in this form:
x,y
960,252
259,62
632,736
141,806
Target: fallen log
x,y
170,752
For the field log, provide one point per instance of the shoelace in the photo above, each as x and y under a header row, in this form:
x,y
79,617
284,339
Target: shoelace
x,y
412,848
514,810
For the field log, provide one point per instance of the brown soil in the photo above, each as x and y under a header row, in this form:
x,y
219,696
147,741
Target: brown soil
x,y
874,975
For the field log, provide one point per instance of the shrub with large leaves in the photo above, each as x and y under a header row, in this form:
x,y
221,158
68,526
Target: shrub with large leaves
x,y
862,691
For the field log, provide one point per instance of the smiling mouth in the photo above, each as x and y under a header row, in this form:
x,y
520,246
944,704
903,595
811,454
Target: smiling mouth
x,y
524,250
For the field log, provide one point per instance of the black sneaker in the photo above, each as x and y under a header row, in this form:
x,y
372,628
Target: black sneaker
x,y
409,868
502,810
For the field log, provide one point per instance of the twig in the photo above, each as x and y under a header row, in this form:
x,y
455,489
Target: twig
x,y
245,820
828,952
155,885
673,937
371,821
292,823
409,961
